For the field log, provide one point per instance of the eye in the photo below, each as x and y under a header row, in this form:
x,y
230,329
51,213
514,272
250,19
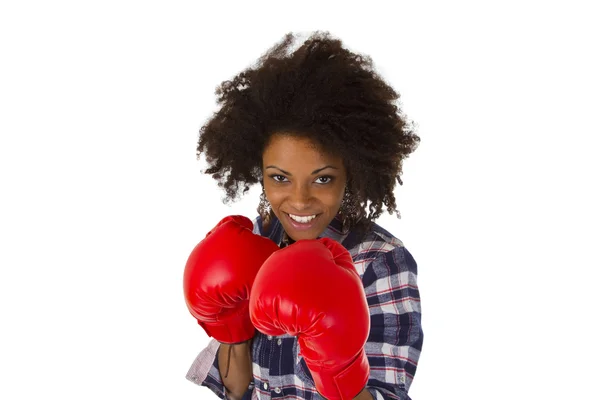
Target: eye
x,y
276,178
329,179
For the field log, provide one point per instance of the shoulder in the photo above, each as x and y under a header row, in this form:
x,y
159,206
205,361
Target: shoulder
x,y
381,251
372,244
261,228
257,226
272,230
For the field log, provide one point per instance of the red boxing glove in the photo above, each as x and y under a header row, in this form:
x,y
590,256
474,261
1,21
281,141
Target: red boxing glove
x,y
311,290
219,274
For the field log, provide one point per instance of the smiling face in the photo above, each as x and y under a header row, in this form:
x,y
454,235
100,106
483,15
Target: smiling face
x,y
304,186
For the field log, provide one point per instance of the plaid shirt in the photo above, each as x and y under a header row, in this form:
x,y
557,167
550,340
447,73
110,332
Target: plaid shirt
x,y
389,276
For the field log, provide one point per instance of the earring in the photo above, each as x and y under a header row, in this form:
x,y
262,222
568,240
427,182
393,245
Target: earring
x,y
264,207
348,211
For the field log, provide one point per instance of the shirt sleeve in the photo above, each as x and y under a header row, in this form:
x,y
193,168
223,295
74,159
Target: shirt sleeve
x,y
205,372
396,337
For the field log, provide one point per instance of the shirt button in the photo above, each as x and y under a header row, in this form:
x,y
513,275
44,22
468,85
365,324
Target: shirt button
x,y
266,386
279,342
277,390
402,379
269,337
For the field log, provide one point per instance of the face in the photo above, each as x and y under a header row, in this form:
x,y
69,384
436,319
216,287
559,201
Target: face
x,y
304,186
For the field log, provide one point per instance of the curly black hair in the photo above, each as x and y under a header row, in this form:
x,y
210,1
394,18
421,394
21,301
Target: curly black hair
x,y
321,91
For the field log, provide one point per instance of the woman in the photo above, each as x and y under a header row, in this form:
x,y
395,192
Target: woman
x,y
319,130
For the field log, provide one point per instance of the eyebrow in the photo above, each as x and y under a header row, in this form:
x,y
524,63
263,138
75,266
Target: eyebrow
x,y
316,171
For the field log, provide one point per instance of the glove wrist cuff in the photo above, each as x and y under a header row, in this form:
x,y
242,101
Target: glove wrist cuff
x,y
342,384
235,329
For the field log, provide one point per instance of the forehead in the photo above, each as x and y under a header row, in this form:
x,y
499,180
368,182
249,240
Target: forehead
x,y
294,149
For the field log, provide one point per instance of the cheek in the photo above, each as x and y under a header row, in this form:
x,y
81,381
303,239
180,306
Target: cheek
x,y
334,199
338,193
274,196
331,199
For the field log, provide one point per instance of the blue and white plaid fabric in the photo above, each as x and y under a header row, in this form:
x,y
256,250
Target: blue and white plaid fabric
x,y
389,275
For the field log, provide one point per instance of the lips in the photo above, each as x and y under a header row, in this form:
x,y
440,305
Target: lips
x,y
299,226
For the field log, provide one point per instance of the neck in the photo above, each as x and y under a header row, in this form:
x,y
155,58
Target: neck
x,y
286,240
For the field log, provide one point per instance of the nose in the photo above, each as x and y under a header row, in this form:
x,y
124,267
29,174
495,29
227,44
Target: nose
x,y
300,198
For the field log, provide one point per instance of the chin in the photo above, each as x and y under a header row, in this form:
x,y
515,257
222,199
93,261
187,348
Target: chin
x,y
303,236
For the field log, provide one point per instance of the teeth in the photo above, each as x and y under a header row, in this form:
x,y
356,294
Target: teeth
x,y
302,220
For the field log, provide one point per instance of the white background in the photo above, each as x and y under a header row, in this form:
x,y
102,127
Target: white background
x,y
102,197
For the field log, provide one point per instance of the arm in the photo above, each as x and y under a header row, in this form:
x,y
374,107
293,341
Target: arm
x,y
217,280
396,336
235,368
364,395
